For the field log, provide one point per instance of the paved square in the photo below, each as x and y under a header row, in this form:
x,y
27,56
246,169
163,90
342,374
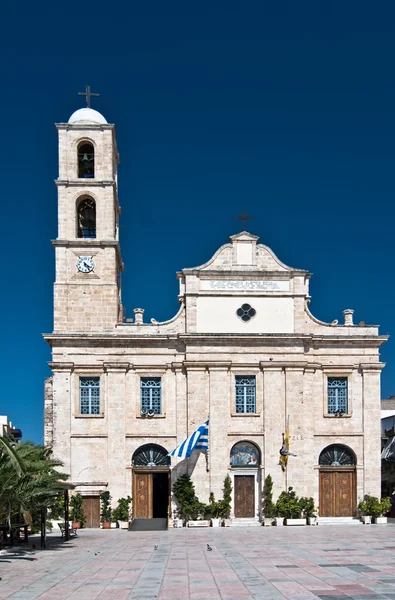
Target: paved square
x,y
337,562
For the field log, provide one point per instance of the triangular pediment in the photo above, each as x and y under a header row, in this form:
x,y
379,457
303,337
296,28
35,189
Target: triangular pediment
x,y
244,236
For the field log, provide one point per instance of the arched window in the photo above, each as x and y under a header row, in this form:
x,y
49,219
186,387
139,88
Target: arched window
x,y
150,455
337,455
86,218
244,454
86,161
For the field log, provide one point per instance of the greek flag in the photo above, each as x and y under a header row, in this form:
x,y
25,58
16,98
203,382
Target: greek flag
x,y
198,440
388,452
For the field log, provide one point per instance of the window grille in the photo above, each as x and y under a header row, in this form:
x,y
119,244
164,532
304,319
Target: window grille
x,y
246,312
90,395
337,455
151,395
337,395
245,394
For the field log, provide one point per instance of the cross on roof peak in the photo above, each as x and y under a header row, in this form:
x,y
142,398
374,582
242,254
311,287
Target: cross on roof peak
x,y
244,218
88,94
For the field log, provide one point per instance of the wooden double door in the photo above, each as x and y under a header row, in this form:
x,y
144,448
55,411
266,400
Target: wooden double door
x,y
91,508
151,494
244,496
337,493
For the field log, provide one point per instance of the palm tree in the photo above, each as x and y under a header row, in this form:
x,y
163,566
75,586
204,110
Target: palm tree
x,y
29,479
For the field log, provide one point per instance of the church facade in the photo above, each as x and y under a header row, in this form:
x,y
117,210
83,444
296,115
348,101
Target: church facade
x,y
243,351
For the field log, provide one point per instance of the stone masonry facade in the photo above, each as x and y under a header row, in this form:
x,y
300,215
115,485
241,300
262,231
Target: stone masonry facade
x,y
197,354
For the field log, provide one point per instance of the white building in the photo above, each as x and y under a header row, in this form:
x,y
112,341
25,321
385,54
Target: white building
x,y
243,350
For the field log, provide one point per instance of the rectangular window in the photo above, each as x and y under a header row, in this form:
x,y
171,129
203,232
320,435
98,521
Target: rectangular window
x,y
90,395
337,395
151,395
245,394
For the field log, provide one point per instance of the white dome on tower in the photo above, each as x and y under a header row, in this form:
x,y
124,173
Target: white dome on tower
x,y
87,115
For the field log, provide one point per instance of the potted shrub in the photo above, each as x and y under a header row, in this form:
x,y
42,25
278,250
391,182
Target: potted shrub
x,y
177,519
120,514
226,501
214,510
363,508
377,509
268,504
191,509
289,507
308,510
385,506
105,515
77,512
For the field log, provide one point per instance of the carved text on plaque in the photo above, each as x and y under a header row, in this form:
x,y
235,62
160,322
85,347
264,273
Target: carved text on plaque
x,y
235,285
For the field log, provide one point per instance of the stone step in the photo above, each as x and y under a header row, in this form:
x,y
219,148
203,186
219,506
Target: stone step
x,y
245,523
339,521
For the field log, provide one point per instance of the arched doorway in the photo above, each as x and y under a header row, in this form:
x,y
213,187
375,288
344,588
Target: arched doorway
x,y
245,459
337,481
151,482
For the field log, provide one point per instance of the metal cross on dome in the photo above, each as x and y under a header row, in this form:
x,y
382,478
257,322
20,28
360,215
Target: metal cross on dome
x,y
88,94
244,218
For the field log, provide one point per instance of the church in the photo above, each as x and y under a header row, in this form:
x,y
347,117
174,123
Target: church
x,y
243,352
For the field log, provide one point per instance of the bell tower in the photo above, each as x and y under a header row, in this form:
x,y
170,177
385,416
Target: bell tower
x,y
87,290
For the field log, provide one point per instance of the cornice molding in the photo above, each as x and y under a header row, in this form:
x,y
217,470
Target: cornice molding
x,y
372,366
61,366
84,126
85,183
115,367
207,365
88,243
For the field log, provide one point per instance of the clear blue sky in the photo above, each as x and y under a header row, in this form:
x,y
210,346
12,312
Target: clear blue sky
x,y
286,109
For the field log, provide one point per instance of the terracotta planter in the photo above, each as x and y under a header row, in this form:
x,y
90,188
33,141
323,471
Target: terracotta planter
x,y
107,525
76,525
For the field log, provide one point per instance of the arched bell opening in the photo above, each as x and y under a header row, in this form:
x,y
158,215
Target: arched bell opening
x,y
86,161
86,218
245,459
338,481
151,482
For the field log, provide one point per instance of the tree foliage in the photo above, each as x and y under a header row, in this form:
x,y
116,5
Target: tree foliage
x,y
29,479
268,505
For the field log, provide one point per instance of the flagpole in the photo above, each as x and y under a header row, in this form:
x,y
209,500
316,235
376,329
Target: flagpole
x,y
208,470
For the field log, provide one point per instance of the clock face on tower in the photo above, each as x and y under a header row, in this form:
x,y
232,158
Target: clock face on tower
x,y
85,264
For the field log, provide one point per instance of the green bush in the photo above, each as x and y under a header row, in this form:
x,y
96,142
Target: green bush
x,y
287,506
372,506
190,506
227,499
121,512
106,511
268,504
77,512
307,506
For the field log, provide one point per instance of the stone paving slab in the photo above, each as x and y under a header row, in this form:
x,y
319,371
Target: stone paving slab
x,y
331,563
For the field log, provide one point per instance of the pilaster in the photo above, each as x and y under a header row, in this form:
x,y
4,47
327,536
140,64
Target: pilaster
x,y
116,429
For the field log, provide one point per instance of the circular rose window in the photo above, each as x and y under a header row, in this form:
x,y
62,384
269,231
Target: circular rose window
x,y
246,312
